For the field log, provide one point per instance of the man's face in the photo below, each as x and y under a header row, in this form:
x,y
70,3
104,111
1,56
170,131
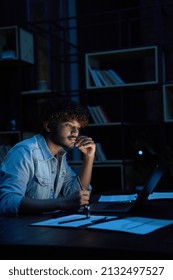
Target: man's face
x,y
64,134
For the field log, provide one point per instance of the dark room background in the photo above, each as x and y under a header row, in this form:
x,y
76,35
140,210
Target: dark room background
x,y
47,49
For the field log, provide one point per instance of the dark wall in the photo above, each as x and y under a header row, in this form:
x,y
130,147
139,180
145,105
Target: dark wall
x,y
13,12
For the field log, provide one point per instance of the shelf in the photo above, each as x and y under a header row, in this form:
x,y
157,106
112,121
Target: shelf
x,y
123,114
100,163
16,44
105,124
36,91
132,67
110,167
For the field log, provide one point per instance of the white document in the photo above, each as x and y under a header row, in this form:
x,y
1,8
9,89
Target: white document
x,y
137,225
131,197
75,220
112,198
161,195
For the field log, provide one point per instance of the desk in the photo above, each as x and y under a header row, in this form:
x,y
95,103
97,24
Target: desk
x,y
20,240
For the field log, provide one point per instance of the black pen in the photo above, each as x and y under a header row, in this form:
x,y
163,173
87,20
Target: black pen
x,y
73,220
86,207
95,221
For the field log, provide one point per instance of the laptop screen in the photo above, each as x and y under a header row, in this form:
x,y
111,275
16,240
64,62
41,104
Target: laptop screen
x,y
150,184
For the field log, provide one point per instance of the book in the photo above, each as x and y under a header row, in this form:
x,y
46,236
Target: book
x,y
107,78
98,114
113,74
95,77
94,114
104,116
103,80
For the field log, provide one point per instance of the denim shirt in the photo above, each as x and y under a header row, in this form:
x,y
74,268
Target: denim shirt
x,y
30,170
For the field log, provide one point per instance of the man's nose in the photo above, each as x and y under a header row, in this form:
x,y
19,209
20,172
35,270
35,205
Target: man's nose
x,y
74,131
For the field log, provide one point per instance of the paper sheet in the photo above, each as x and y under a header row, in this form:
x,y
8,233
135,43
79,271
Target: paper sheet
x,y
137,225
160,195
112,198
131,197
75,220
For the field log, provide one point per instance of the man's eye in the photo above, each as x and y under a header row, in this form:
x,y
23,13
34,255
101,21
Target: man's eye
x,y
68,125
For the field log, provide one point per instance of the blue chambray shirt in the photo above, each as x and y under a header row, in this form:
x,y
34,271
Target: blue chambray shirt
x,y
30,170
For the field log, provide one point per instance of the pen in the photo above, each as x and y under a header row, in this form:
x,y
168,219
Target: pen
x,y
85,207
74,220
98,220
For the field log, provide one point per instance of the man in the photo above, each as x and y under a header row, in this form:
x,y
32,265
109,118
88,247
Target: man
x,y
35,176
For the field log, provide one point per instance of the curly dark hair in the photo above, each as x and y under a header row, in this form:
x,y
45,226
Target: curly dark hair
x,y
62,109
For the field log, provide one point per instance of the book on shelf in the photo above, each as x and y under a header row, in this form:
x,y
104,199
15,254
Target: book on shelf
x,y
96,80
93,112
102,78
109,81
115,76
100,155
98,114
104,116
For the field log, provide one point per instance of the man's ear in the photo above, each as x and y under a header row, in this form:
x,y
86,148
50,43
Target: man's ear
x,y
47,127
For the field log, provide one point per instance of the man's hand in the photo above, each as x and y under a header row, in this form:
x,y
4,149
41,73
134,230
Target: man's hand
x,y
86,145
76,199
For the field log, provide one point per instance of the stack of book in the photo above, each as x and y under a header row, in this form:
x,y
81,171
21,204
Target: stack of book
x,y
103,78
98,114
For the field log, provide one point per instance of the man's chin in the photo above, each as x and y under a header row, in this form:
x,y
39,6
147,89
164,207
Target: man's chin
x,y
70,147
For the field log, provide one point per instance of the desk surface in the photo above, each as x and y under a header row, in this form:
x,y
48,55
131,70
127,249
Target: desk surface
x,y
19,238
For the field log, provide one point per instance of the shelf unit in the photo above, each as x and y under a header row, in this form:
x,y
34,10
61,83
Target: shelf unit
x,y
127,104
97,176
142,65
16,44
16,65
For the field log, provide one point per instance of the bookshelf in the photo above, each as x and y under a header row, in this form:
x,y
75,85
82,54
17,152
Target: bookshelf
x,y
127,106
16,44
16,65
142,65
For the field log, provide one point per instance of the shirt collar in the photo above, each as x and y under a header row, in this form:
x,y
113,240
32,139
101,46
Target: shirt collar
x,y
44,148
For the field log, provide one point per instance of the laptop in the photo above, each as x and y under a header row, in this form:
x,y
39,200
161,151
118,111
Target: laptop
x,y
129,206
